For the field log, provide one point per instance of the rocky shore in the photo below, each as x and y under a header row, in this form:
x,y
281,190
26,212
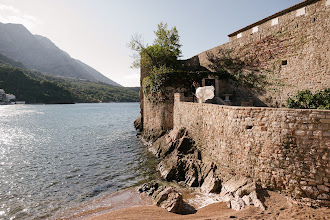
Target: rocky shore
x,y
181,162
185,172
278,207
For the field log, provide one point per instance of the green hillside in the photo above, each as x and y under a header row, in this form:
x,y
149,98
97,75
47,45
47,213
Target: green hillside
x,y
87,91
13,80
34,87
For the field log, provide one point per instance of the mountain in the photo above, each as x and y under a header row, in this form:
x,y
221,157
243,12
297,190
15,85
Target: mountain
x,y
39,53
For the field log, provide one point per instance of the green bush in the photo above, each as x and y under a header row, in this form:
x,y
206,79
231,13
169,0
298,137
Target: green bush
x,y
307,100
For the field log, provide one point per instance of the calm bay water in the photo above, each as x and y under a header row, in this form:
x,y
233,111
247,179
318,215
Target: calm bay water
x,y
57,156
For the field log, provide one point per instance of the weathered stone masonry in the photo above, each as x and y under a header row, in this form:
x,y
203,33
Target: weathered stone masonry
x,y
283,149
293,54
302,41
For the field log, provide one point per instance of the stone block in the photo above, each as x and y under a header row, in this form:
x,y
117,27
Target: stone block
x,y
325,120
300,132
323,188
324,196
326,134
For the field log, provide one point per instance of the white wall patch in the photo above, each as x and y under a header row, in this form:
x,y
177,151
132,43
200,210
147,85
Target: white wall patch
x,y
274,21
301,11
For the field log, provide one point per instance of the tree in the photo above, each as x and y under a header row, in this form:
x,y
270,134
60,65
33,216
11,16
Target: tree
x,y
165,50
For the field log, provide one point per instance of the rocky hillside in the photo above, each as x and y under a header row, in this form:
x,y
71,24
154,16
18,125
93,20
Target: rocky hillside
x,y
39,53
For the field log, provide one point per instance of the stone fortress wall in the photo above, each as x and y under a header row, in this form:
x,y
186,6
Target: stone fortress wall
x,y
290,48
282,149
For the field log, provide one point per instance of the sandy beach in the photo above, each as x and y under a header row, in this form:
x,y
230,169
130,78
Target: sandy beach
x,y
129,204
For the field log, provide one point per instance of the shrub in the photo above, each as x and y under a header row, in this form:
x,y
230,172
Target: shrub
x,y
307,100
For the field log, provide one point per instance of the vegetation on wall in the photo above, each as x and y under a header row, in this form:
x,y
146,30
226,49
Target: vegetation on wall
x,y
160,58
307,100
245,72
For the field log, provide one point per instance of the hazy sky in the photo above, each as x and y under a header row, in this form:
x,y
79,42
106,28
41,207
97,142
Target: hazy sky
x,y
97,31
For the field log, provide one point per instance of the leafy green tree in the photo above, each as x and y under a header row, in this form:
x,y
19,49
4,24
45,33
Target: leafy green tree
x,y
165,50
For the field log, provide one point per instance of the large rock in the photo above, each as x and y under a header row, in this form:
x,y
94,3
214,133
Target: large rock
x,y
232,185
176,139
166,197
171,200
169,168
211,184
181,160
138,124
239,192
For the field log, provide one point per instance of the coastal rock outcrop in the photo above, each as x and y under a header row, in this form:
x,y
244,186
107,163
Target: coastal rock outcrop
x,y
239,192
138,124
182,162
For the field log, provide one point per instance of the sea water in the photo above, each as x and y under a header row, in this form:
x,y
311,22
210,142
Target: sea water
x,y
53,157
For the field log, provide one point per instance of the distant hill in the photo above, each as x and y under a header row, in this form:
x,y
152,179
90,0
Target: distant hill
x,y
35,87
136,89
13,80
39,53
7,60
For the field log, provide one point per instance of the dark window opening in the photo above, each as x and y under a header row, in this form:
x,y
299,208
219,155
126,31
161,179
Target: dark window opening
x,y
297,26
248,127
284,62
314,19
210,82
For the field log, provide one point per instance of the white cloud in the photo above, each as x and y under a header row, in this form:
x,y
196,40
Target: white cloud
x,y
9,8
10,14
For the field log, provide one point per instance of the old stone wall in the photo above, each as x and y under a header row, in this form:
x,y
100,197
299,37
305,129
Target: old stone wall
x,y
292,54
283,149
157,118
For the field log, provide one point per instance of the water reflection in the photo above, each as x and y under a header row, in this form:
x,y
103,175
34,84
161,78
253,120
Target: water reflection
x,y
56,156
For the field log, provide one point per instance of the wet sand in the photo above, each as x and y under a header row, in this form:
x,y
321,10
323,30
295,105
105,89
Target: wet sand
x,y
132,205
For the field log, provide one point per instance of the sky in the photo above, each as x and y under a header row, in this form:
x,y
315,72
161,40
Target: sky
x,y
97,31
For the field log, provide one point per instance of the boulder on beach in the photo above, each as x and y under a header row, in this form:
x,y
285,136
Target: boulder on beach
x,y
165,197
239,192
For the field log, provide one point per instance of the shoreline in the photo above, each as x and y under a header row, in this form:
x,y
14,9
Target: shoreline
x,y
129,204
121,199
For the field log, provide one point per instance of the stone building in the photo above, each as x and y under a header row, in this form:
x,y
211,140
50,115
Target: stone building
x,y
285,53
290,49
282,149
